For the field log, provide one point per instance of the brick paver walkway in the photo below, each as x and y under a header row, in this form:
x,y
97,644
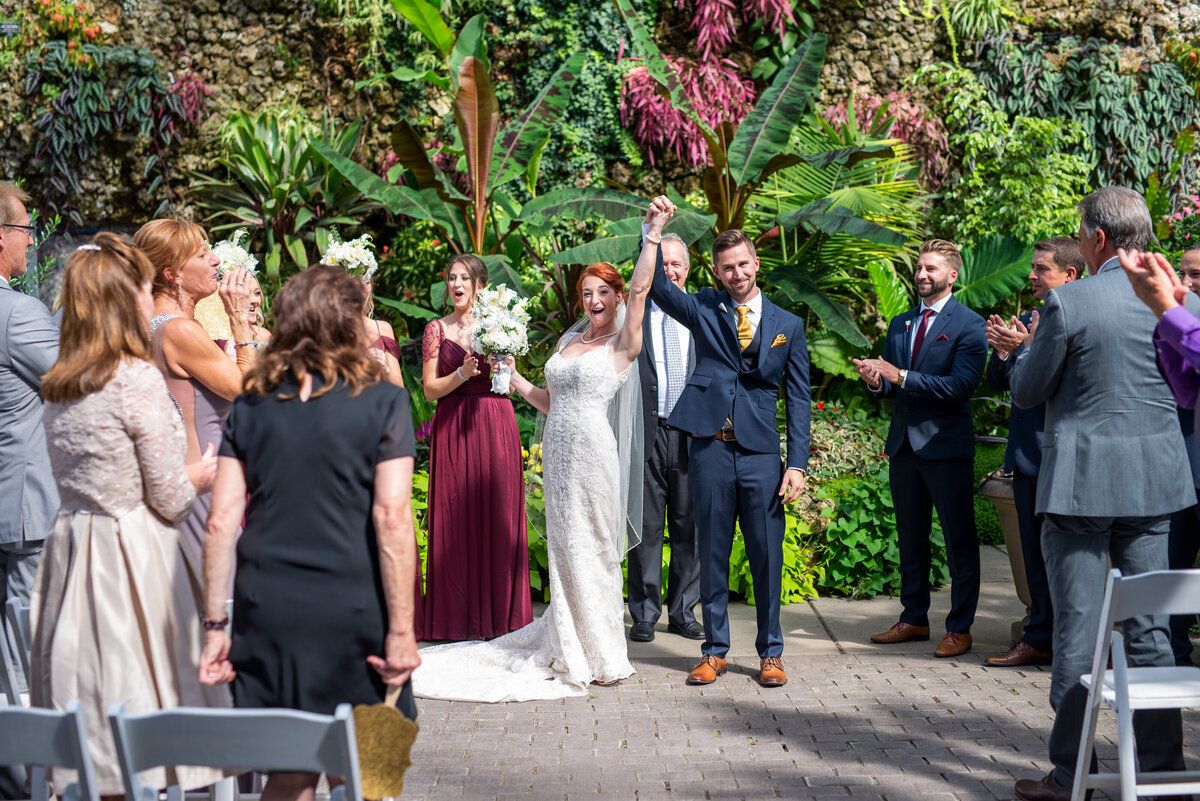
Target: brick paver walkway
x,y
846,726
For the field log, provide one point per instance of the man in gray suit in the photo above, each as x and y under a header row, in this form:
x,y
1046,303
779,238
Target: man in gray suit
x,y
1113,471
28,348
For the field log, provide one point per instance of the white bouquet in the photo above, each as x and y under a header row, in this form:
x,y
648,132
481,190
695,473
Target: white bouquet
x,y
501,329
355,256
210,311
233,254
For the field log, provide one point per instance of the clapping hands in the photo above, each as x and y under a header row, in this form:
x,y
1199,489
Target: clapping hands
x,y
1153,279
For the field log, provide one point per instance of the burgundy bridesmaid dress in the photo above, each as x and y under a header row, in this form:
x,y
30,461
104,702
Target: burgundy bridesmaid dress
x,y
477,559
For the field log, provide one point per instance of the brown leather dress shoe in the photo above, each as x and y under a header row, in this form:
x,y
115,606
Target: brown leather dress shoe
x,y
901,632
707,670
1021,654
1047,789
771,674
953,644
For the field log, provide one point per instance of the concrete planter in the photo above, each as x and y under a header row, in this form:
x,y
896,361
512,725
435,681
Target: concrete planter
x,y
997,487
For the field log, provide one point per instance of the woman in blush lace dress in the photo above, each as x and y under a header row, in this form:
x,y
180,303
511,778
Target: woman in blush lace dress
x,y
580,639
477,564
200,378
115,610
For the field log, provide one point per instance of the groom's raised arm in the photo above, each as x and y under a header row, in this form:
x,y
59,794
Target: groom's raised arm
x,y
671,299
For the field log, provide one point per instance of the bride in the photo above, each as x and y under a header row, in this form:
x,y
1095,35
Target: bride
x,y
591,464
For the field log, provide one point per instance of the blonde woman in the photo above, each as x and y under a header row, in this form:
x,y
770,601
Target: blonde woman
x,y
115,611
200,378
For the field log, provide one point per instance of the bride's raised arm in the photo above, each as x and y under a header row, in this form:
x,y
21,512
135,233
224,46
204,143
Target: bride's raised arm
x,y
629,340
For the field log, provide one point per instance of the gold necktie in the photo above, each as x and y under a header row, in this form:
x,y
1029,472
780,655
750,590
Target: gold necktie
x,y
744,332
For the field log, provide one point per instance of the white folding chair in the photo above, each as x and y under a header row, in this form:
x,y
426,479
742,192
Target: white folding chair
x,y
17,615
1125,689
46,738
265,740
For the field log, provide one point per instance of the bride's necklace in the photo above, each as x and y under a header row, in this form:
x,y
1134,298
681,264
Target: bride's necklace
x,y
597,338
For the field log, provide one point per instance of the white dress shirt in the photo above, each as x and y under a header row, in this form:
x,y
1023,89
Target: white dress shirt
x,y
916,326
659,318
755,304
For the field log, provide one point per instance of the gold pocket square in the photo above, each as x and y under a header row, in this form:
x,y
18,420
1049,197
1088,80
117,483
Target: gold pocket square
x,y
779,341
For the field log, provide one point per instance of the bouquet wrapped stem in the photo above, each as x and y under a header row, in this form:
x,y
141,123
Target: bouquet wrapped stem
x,y
501,330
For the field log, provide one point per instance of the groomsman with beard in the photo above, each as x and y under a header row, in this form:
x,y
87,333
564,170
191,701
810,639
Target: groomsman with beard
x,y
933,361
1056,261
666,361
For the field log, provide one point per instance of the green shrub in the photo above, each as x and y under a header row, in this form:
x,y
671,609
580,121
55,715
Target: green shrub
x,y
987,521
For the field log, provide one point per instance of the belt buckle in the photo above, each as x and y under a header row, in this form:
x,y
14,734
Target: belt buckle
x,y
726,435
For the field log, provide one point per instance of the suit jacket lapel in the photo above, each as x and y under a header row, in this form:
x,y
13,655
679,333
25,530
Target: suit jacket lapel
x,y
936,325
729,321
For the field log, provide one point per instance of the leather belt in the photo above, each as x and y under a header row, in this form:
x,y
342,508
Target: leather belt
x,y
725,435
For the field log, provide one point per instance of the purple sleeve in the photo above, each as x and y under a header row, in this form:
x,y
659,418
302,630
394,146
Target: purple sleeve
x,y
1177,343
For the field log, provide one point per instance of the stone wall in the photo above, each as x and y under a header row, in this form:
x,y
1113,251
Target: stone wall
x,y
875,45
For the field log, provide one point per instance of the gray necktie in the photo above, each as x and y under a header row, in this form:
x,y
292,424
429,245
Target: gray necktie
x,y
673,357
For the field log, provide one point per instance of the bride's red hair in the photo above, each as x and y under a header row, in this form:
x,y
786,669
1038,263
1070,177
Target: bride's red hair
x,y
606,273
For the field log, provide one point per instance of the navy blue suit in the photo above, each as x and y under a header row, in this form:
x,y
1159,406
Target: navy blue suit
x,y
738,482
931,450
1023,458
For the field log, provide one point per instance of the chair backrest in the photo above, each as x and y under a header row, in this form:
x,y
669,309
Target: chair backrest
x,y
10,673
265,740
45,737
17,614
1160,592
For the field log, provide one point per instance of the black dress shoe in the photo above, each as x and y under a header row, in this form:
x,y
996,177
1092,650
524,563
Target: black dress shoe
x,y
691,629
641,632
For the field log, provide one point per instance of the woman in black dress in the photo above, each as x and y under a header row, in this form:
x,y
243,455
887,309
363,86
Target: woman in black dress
x,y
323,596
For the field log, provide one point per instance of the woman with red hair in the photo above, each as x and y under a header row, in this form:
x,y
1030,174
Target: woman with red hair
x,y
589,467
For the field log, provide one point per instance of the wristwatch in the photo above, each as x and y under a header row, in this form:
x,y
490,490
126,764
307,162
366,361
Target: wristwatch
x,y
903,378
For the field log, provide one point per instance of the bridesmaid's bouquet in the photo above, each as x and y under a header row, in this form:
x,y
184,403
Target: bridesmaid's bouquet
x,y
355,256
501,329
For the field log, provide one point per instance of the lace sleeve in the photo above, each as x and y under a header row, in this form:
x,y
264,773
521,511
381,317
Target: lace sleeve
x,y
434,334
154,426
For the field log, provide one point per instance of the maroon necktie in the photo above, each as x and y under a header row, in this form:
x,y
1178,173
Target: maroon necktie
x,y
921,329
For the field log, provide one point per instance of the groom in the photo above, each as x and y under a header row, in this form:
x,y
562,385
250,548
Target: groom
x,y
745,347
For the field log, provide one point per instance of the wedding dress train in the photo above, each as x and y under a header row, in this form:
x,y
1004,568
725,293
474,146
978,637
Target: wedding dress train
x,y
581,636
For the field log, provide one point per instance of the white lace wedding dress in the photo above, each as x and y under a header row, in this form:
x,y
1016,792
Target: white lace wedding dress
x,y
581,636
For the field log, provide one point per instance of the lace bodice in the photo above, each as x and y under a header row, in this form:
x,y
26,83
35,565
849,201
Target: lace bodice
x,y
585,383
120,447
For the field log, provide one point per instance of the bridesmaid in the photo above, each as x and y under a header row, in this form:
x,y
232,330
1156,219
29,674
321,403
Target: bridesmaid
x,y
477,561
381,339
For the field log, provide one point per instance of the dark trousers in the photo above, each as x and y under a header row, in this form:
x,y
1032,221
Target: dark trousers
x,y
1183,544
1039,631
666,497
1077,551
918,487
731,487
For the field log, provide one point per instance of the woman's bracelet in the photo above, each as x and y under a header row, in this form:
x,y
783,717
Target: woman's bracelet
x,y
254,343
213,625
458,372
653,241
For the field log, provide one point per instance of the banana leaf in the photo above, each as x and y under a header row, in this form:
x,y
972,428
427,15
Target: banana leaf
x,y
581,204
477,115
500,268
620,240
798,287
469,44
765,131
994,267
822,215
426,18
410,150
831,354
410,309
890,292
524,137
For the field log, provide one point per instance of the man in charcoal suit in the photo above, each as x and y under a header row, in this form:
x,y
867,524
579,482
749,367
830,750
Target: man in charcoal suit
x,y
666,361
1113,470
746,347
28,348
1056,261
932,363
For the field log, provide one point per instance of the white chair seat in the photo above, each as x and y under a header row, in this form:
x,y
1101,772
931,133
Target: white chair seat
x,y
1153,687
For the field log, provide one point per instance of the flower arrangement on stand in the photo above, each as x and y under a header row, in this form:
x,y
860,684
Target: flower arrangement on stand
x,y
210,312
501,329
